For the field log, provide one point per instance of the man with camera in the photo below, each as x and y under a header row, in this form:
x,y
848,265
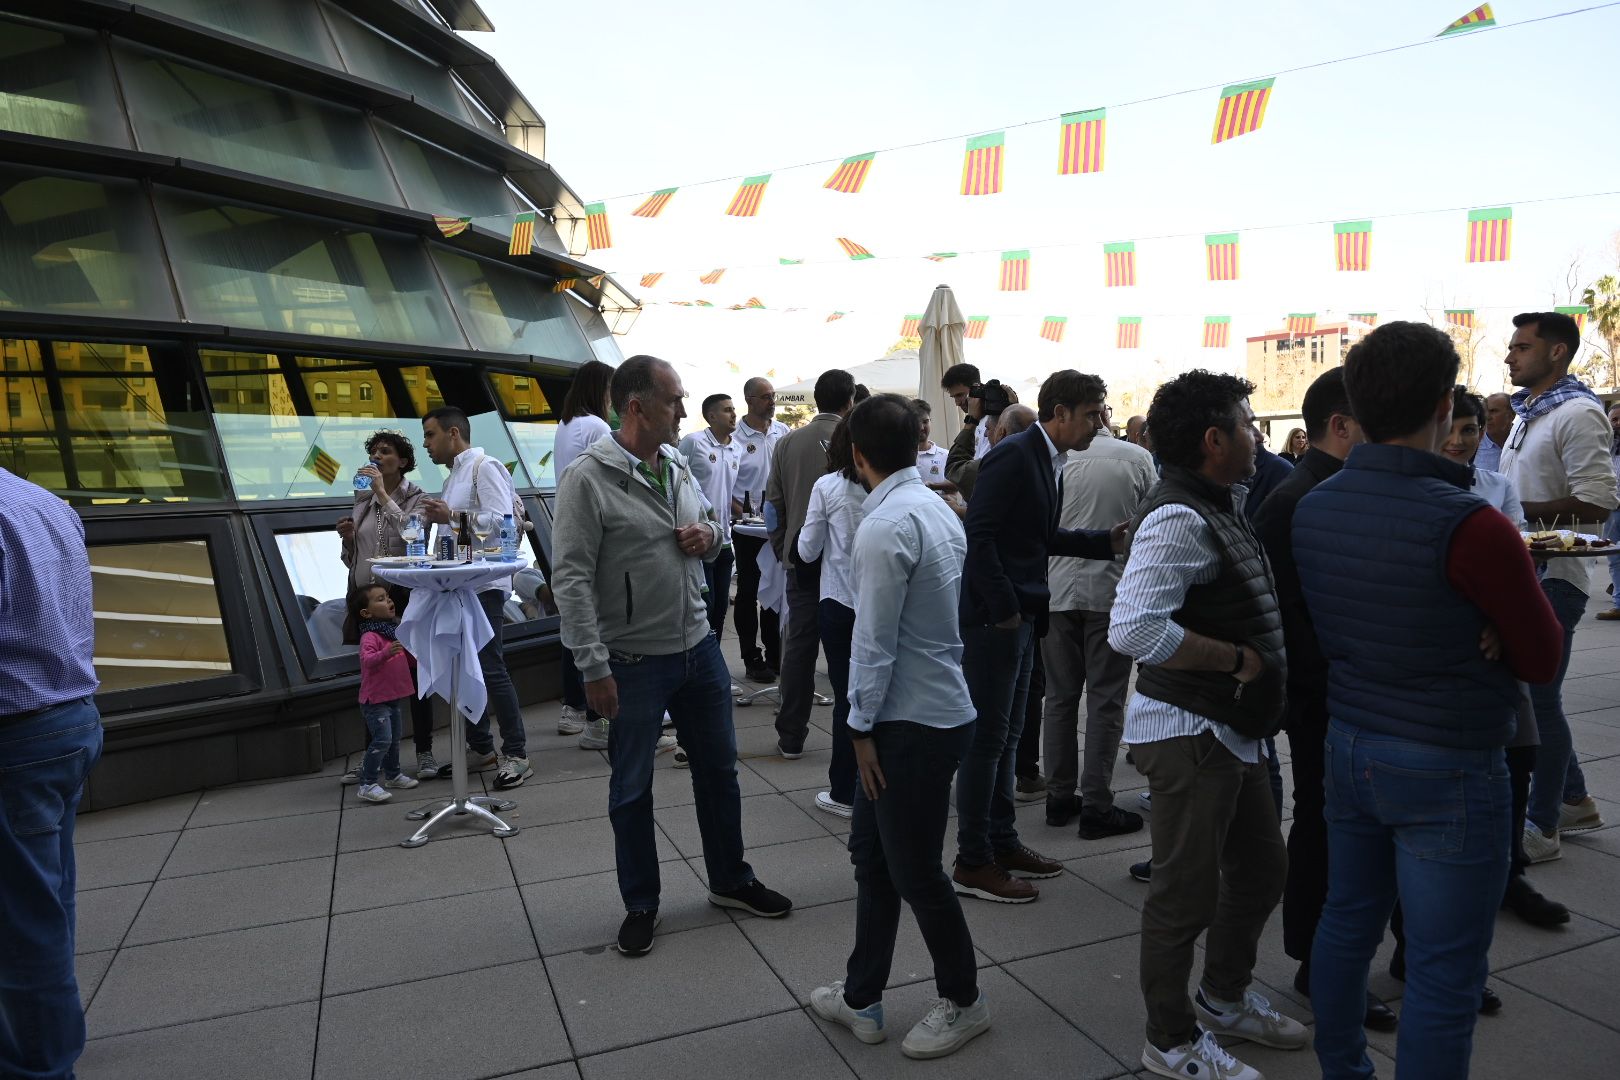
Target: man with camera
x,y
981,402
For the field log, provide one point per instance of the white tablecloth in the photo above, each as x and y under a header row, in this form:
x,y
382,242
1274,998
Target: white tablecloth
x,y
444,627
772,575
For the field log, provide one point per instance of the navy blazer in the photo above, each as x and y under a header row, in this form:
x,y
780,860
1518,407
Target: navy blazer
x,y
1012,527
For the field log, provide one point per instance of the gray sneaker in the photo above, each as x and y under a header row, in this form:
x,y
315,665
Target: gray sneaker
x,y
350,778
867,1023
477,762
571,722
426,767
1253,1019
947,1028
595,736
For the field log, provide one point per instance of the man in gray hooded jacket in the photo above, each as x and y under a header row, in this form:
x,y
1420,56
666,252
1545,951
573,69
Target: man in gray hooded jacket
x,y
631,537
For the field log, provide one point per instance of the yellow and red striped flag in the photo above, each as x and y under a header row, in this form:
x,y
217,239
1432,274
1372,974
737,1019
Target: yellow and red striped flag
x,y
1302,323
1477,19
1242,109
981,166
564,284
596,226
1221,256
654,204
1052,327
1120,263
522,242
1129,334
753,302
852,249
849,176
451,226
1490,234
976,326
1081,144
322,464
1352,244
911,326
712,277
650,280
1463,317
1578,312
749,195
1368,317
835,316
1217,331
1014,271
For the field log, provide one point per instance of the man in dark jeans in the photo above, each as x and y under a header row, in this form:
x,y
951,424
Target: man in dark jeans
x,y
910,723
756,437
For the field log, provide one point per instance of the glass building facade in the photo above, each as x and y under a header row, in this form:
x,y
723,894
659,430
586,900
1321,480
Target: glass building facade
x,y
217,255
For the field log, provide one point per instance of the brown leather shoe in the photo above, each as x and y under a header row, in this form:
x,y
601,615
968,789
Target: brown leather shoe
x,y
1028,864
1608,614
992,882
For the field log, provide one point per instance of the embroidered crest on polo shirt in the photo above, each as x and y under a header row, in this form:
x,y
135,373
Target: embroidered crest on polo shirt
x,y
713,458
752,448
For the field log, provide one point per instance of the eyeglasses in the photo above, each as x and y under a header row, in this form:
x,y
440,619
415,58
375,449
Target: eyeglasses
x,y
1516,436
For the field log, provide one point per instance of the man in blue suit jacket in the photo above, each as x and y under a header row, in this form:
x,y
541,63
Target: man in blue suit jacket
x,y
1012,527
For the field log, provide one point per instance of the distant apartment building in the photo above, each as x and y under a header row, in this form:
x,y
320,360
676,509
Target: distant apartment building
x,y
1282,364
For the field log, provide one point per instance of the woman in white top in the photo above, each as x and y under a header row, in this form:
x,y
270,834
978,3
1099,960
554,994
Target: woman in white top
x,y
835,512
584,420
1467,425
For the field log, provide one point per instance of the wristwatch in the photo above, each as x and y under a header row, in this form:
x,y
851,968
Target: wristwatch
x,y
1237,663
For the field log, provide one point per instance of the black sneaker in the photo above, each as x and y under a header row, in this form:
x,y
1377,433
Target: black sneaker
x,y
1112,821
1524,901
757,672
1142,871
755,899
636,932
1061,810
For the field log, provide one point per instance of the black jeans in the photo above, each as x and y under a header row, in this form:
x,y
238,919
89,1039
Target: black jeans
x,y
750,626
837,627
503,699
717,575
1306,890
895,845
1028,765
1521,763
995,663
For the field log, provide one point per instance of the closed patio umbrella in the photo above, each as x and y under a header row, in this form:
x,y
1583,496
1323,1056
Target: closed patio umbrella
x,y
942,328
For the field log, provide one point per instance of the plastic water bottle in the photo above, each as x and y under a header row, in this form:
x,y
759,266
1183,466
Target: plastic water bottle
x,y
415,544
509,540
362,482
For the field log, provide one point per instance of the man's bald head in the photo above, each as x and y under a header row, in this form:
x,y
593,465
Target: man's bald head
x,y
1133,429
1014,418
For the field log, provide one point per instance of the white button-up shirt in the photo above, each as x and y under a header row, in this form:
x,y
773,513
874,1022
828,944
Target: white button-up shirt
x,y
1562,454
754,465
714,466
829,534
495,492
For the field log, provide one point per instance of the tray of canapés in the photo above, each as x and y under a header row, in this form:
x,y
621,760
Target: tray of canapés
x,y
1567,544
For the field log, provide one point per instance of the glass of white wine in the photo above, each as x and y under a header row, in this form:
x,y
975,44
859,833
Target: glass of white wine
x,y
485,523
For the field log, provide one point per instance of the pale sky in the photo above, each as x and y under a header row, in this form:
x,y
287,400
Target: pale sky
x,y
644,95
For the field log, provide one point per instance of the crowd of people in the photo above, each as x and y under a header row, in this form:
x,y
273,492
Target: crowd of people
x,y
1366,591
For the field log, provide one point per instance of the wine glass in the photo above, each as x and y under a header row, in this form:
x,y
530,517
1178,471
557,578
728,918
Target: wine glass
x,y
485,523
412,534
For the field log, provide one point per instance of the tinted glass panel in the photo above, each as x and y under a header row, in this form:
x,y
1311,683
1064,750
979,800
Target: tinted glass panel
x,y
371,54
438,181
511,311
530,422
250,268
58,85
80,247
157,614
290,26
603,344
207,115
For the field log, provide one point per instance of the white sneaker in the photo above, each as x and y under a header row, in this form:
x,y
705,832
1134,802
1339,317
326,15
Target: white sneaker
x,y
1145,800
666,743
867,1023
1253,1019
1539,847
595,735
1579,817
477,762
947,1028
571,722
1201,1059
829,805
512,773
373,793
350,778
402,781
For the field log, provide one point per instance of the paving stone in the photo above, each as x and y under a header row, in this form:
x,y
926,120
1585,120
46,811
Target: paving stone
x,y
566,1070
1094,987
1594,740
501,1019
806,800
584,912
88,970
547,852
766,820
189,907
786,1045
1516,942
808,872
1065,843
219,975
253,843
563,800
1026,1038
597,992
253,802
565,763
810,947
387,876
125,861
809,771
1069,912
1581,980
757,742
366,826
159,815
269,1044
365,949
1111,872
104,915
673,787
1583,880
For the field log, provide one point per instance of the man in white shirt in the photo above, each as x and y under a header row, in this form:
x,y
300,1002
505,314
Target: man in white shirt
x,y
930,457
756,436
1558,456
480,482
714,456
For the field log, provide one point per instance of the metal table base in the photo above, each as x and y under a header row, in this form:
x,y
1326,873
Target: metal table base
x,y
480,807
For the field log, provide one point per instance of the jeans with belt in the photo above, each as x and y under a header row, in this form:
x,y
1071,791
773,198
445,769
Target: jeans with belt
x,y
44,759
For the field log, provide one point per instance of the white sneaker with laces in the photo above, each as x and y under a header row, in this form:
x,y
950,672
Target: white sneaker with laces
x,y
512,773
595,735
666,743
1539,847
829,805
867,1023
1201,1059
373,793
402,781
571,722
947,1028
1253,1019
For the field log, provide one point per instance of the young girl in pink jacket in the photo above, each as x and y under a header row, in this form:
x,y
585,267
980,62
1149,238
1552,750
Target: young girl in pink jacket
x,y
386,686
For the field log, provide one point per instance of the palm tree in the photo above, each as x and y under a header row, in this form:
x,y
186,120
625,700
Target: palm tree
x,y
1603,298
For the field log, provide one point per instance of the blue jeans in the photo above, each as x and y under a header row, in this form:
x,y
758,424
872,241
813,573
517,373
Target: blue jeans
x,y
503,699
385,723
996,665
1558,777
717,575
43,764
837,628
895,845
695,688
1611,530
1429,823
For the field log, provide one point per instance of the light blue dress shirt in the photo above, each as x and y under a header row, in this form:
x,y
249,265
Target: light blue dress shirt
x,y
906,656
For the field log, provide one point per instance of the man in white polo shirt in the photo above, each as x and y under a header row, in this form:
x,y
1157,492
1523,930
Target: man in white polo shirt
x,y
930,456
757,436
713,455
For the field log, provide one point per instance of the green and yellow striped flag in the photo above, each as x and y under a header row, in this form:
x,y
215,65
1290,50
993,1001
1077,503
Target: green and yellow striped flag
x,y
749,195
1014,271
596,225
1242,109
322,464
1120,263
451,226
849,176
1052,327
1578,312
1217,331
1129,334
654,204
981,167
1478,19
1352,245
1490,235
855,251
1082,139
976,326
522,241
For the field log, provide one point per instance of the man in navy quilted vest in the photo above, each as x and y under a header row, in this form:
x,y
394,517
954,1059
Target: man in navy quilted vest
x,y
1403,568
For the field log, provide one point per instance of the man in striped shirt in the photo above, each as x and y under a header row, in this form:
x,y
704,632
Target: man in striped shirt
x,y
1197,608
